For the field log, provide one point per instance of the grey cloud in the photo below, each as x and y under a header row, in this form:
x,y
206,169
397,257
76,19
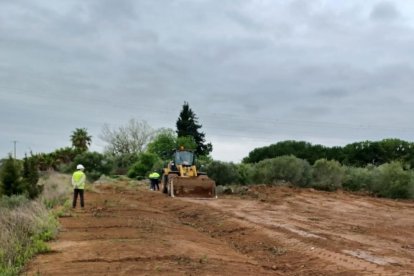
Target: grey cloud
x,y
385,11
242,65
245,21
332,93
119,10
309,112
302,7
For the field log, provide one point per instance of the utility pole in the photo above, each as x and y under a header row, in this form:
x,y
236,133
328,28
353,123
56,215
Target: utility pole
x,y
14,142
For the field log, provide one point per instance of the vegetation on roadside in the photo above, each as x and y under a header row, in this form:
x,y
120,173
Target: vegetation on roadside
x,y
18,177
142,167
26,220
25,227
391,180
358,154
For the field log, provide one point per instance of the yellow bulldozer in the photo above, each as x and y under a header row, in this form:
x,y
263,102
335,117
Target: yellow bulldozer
x,y
181,178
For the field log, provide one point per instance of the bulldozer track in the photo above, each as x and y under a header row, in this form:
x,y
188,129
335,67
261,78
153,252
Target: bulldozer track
x,y
344,262
304,241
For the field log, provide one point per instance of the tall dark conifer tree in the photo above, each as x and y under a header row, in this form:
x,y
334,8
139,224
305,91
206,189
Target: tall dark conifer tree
x,y
10,176
187,125
31,177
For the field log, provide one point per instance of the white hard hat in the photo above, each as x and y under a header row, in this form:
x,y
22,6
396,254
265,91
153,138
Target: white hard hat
x,y
80,167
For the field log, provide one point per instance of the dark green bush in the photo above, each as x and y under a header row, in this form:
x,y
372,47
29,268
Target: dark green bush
x,y
10,175
223,173
246,173
146,162
30,178
358,179
202,162
121,163
327,175
17,177
285,168
392,181
95,163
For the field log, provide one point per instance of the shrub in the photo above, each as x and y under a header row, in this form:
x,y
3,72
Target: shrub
x,y
122,162
13,201
95,164
56,188
327,175
18,177
10,177
24,226
246,173
285,168
202,162
392,181
30,178
223,173
357,179
146,162
138,171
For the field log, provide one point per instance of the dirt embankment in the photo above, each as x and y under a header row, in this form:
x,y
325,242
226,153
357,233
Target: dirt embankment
x,y
275,231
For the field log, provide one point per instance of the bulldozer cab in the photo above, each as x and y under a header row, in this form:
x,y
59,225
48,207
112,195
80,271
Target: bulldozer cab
x,y
185,158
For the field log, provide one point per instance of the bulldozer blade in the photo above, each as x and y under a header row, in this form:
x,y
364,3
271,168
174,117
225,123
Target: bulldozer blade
x,y
201,187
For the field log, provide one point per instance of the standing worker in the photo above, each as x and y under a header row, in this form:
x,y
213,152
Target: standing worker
x,y
154,178
78,183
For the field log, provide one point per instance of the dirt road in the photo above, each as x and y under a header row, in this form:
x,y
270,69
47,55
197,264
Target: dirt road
x,y
128,230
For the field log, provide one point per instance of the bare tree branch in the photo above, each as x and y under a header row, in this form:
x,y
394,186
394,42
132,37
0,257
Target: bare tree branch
x,y
132,138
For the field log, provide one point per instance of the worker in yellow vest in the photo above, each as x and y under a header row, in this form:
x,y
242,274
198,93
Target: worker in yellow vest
x,y
78,183
154,178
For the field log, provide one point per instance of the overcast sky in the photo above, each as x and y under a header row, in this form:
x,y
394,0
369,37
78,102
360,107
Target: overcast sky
x,y
254,71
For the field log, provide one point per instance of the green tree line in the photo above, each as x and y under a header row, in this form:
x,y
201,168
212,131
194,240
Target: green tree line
x,y
357,154
391,180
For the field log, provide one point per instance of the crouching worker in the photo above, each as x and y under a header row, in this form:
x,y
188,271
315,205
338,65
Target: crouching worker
x,y
78,183
154,178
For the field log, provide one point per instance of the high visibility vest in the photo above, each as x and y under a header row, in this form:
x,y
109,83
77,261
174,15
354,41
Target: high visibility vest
x,y
154,175
78,180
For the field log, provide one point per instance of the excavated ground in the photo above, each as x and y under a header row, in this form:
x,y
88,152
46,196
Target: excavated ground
x,y
127,230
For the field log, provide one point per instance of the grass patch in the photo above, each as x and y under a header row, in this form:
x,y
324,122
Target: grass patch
x,y
278,251
24,231
26,225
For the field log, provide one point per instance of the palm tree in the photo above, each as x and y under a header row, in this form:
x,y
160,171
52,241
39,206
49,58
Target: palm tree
x,y
80,139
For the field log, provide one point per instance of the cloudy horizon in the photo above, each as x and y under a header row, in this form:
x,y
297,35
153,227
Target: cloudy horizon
x,y
255,72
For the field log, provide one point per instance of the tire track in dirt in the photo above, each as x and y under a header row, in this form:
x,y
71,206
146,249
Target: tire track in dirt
x,y
307,246
154,258
304,242
348,263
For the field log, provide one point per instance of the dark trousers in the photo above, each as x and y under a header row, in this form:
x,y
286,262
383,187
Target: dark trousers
x,y
154,184
77,192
